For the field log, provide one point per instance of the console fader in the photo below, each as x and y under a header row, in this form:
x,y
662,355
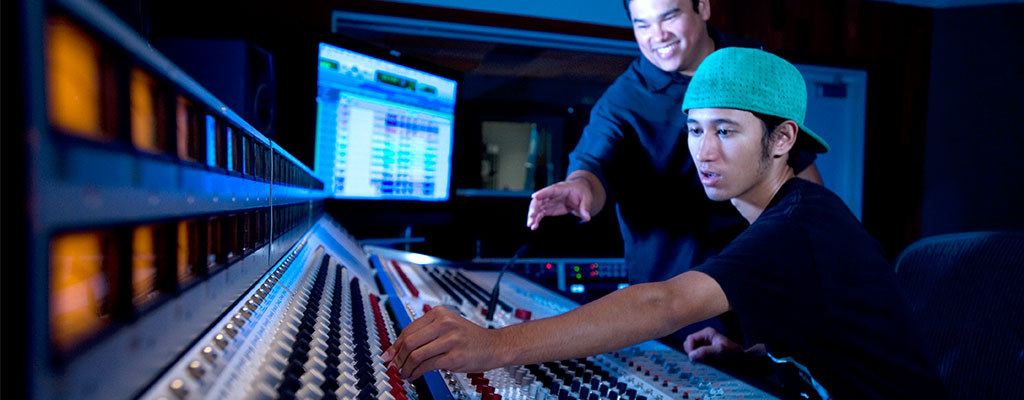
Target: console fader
x,y
648,371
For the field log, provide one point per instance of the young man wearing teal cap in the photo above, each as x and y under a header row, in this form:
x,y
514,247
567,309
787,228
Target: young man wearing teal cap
x,y
631,158
805,279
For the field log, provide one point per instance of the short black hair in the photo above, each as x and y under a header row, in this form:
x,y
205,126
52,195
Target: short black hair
x,y
625,4
769,123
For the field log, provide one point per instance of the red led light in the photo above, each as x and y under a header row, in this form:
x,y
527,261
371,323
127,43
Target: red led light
x,y
548,265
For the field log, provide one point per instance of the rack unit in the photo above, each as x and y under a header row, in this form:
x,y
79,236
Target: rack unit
x,y
151,207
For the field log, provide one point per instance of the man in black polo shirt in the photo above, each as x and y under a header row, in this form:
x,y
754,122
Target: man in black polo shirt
x,y
805,280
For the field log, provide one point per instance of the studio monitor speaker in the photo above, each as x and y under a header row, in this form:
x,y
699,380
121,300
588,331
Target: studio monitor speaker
x,y
237,72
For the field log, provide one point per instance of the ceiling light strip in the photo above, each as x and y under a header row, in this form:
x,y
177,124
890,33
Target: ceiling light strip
x,y
345,20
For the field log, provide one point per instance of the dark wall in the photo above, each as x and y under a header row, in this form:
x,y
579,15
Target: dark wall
x,y
974,171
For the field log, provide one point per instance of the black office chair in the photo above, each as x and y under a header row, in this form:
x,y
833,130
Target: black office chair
x,y
967,291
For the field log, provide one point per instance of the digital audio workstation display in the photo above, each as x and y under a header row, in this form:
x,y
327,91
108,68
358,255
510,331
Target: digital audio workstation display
x,y
383,130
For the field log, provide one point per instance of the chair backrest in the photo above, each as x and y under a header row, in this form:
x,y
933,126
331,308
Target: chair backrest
x,y
967,291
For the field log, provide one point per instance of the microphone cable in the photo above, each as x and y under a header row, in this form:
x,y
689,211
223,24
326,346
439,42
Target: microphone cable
x,y
492,303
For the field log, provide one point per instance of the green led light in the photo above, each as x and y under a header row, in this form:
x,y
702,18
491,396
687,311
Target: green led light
x,y
579,276
576,268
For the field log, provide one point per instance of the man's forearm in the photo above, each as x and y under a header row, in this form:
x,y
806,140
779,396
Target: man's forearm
x,y
625,317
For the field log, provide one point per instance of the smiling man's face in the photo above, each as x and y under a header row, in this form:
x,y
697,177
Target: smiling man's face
x,y
670,33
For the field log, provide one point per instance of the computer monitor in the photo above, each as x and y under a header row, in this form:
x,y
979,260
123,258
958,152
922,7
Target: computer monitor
x,y
384,127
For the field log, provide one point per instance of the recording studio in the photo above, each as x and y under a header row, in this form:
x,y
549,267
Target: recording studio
x,y
254,199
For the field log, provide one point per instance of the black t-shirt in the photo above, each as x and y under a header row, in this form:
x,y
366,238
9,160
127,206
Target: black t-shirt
x,y
810,283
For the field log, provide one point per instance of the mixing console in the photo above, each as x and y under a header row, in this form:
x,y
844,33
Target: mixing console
x,y
310,329
648,371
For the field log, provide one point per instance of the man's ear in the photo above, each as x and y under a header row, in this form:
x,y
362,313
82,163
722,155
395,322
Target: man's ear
x,y
785,138
704,9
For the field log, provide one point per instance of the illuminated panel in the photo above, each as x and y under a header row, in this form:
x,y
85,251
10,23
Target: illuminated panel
x,y
257,229
229,236
211,141
383,130
213,243
246,228
143,110
188,248
257,159
143,265
229,160
247,147
265,232
220,133
264,161
74,79
80,290
239,145
190,138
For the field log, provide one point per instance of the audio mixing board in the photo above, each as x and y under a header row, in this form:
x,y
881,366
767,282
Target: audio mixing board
x,y
316,324
649,370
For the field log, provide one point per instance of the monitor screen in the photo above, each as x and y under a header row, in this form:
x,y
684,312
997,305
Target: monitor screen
x,y
384,130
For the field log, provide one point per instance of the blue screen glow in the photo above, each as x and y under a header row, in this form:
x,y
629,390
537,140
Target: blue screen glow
x,y
383,130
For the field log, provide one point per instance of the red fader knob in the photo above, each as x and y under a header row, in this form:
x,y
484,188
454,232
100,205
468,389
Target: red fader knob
x,y
523,314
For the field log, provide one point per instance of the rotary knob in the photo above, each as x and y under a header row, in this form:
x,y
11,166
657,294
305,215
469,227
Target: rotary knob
x,y
196,369
220,340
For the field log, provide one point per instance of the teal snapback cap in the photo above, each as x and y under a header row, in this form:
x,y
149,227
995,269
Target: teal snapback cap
x,y
752,80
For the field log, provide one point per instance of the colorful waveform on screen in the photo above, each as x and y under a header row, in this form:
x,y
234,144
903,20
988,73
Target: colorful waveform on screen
x,y
384,131
386,151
